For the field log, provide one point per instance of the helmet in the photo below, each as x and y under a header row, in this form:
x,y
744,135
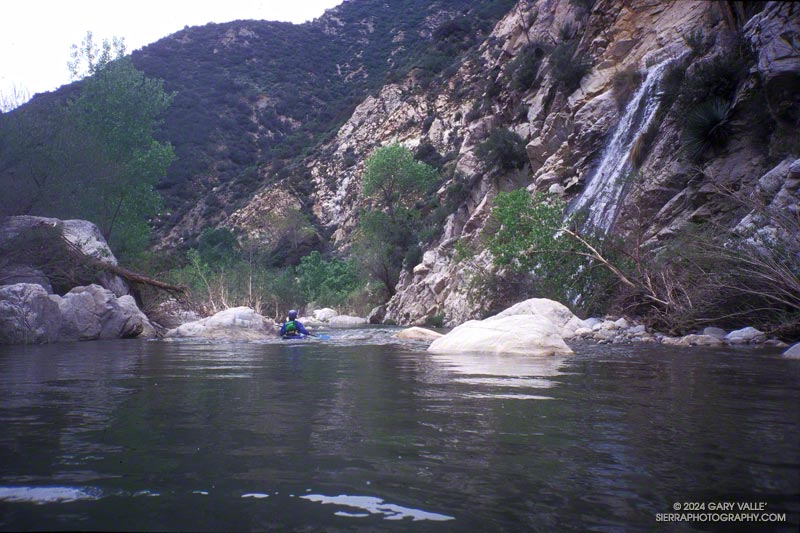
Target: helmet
x,y
292,314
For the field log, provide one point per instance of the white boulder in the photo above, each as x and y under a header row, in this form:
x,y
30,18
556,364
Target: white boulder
x,y
553,311
234,324
324,314
515,334
346,321
793,352
746,335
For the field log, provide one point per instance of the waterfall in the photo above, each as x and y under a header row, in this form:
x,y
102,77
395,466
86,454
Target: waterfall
x,y
605,187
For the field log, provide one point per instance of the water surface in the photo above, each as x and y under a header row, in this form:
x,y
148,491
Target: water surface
x,y
366,433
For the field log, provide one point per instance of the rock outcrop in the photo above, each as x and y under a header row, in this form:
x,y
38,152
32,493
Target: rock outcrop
x,y
28,315
81,234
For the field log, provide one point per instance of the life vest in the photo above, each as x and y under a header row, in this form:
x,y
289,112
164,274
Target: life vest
x,y
290,328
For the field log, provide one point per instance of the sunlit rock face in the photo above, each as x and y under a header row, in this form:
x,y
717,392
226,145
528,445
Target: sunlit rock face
x,y
566,131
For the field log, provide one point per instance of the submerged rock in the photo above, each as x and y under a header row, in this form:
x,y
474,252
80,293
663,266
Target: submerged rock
x,y
419,334
234,324
515,334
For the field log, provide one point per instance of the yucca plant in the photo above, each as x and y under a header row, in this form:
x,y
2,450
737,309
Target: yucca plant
x,y
707,126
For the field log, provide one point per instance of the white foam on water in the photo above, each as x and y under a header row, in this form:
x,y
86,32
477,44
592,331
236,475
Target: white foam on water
x,y
509,396
43,495
257,495
374,505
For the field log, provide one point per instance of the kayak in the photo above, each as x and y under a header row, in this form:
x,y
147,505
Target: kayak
x,y
302,337
299,337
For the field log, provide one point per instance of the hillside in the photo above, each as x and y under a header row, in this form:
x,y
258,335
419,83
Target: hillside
x,y
662,125
253,97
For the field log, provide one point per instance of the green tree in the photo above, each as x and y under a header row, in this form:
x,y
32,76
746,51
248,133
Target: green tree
x,y
88,58
117,113
395,180
327,282
389,230
529,235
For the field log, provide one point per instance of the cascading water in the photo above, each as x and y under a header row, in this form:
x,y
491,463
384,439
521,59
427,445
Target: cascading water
x,y
606,186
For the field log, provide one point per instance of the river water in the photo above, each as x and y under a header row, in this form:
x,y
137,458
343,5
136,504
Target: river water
x,y
367,433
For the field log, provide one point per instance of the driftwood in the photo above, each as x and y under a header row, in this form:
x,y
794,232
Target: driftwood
x,y
128,275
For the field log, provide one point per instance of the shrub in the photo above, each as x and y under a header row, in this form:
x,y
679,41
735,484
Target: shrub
x,y
707,126
526,236
568,69
504,150
521,72
624,84
327,283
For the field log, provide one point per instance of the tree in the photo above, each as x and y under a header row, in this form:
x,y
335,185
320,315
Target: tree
x,y
530,236
117,113
394,179
88,59
389,231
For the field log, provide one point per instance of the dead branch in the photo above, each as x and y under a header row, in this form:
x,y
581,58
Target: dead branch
x,y
128,275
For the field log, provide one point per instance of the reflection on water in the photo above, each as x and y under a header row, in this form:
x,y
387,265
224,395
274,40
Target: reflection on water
x,y
365,432
43,495
377,506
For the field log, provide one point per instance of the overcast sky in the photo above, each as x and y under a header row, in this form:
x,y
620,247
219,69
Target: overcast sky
x,y
36,35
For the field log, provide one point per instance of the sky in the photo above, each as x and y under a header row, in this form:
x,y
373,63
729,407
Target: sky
x,y
36,35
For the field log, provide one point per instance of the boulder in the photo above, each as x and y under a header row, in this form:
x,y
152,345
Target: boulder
x,y
92,312
793,352
324,314
346,321
556,312
715,332
13,274
418,334
699,340
515,334
377,315
746,335
234,324
28,315
84,235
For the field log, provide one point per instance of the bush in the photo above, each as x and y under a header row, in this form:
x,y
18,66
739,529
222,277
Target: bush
x,y
707,126
624,84
521,72
525,235
566,68
504,150
327,283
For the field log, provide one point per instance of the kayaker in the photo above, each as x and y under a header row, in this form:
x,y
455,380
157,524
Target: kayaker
x,y
293,327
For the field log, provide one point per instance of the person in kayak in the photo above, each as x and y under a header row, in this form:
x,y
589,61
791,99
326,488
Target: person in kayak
x,y
293,327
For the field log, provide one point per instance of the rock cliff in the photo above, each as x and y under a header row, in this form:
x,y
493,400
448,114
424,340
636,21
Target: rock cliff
x,y
607,137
